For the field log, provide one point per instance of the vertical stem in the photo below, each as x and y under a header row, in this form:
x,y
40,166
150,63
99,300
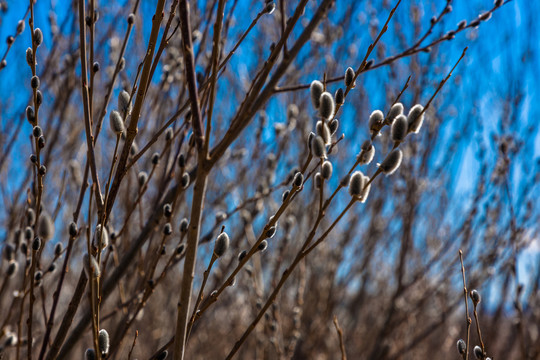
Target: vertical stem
x,y
202,171
199,190
183,7
86,106
131,131
467,317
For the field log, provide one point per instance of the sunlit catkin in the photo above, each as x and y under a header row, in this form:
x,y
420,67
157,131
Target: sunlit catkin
x,y
91,266
367,153
391,162
356,184
298,179
478,353
323,131
169,133
316,89
116,122
475,296
39,98
317,180
37,132
12,268
242,255
101,238
9,252
90,354
262,246
155,158
333,126
461,346
395,111
58,248
163,355
399,128
38,36
185,180
183,225
326,109
29,56
326,170
73,231
365,192
20,26
124,104
35,82
30,216
292,111
376,121
103,342
222,244
31,115
142,178
270,7
415,118
45,226
349,77
28,233
340,97
167,229
317,147
167,210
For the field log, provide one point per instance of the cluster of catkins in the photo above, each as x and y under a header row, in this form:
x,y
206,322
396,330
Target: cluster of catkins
x,y
100,242
116,118
326,127
104,344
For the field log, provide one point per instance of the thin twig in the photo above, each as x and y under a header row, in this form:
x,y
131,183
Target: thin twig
x,y
199,188
340,336
467,317
478,328
133,344
137,108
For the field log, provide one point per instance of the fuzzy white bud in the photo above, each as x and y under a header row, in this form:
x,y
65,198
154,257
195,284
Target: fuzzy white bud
x,y
326,105
318,147
116,122
323,131
222,244
103,341
349,77
316,89
399,128
367,153
326,170
356,184
45,226
391,162
415,118
124,103
376,121
395,111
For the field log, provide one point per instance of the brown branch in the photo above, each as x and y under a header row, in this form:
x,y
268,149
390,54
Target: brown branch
x,y
53,353
56,297
185,28
86,106
467,317
256,100
340,336
137,108
199,188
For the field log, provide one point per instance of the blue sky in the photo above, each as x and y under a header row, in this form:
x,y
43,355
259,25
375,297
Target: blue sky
x,y
503,58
